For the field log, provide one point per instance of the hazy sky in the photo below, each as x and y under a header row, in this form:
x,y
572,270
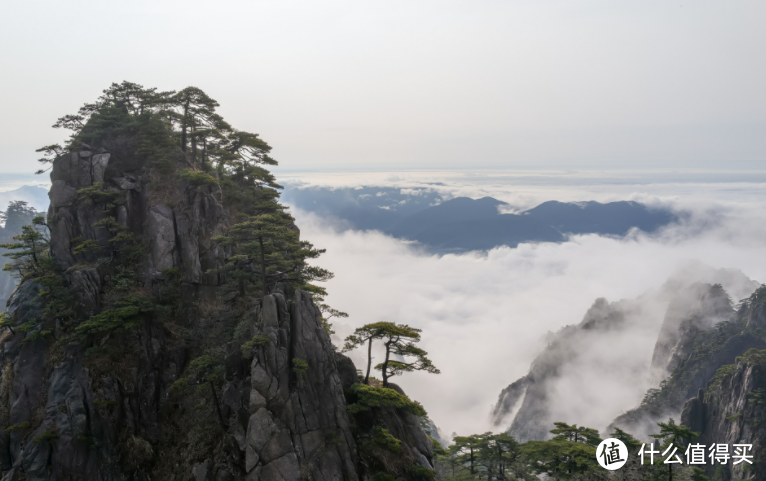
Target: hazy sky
x,y
412,84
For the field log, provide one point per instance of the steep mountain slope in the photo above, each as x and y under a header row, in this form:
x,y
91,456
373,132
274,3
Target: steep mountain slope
x,y
132,352
733,409
601,365
710,336
579,362
35,197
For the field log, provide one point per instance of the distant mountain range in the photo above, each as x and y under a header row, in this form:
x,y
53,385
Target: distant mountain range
x,y
363,208
35,196
464,224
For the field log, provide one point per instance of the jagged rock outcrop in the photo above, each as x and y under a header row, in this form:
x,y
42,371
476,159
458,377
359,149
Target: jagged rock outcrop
x,y
731,414
732,408
417,448
298,426
700,351
104,408
509,399
693,309
178,221
585,347
609,348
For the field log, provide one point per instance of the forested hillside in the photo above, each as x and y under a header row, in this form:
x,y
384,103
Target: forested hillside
x,y
170,321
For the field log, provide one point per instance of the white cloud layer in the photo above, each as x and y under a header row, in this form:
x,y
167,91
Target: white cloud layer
x,y
484,315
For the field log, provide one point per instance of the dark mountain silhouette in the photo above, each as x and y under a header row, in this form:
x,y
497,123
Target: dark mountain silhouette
x,y
467,224
455,210
487,233
364,208
615,218
463,224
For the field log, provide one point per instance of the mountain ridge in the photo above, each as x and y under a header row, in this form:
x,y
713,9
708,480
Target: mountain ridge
x,y
140,346
661,317
462,223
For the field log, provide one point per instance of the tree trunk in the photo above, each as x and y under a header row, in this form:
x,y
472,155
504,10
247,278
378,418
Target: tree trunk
x,y
194,142
263,267
204,151
183,127
217,406
369,361
385,364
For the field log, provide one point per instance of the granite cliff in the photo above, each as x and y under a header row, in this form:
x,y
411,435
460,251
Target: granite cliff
x,y
712,334
131,352
730,408
608,352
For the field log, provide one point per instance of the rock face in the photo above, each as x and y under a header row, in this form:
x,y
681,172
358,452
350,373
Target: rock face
x,y
732,414
700,351
693,309
609,348
298,426
733,408
534,402
178,221
105,409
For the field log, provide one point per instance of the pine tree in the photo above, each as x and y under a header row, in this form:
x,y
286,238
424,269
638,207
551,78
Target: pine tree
x,y
466,451
266,250
569,455
399,341
630,442
16,215
576,434
499,455
30,251
366,334
673,436
208,373
198,122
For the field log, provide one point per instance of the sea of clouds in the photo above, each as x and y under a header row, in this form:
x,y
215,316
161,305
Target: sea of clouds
x,y
485,315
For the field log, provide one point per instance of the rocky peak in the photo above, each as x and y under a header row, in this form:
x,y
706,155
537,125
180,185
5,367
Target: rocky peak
x,y
123,405
710,337
692,309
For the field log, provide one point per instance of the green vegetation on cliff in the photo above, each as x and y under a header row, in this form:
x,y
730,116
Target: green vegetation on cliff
x,y
165,234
